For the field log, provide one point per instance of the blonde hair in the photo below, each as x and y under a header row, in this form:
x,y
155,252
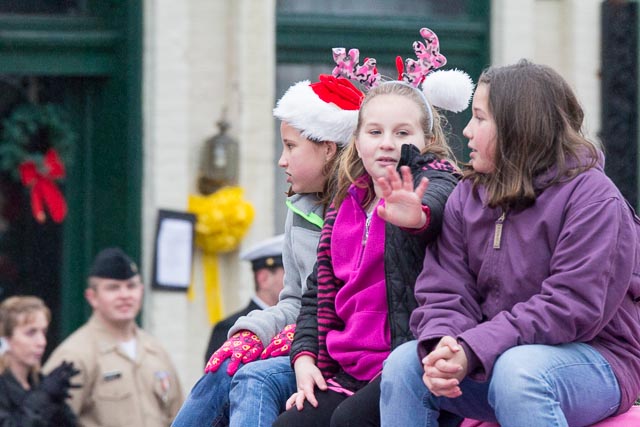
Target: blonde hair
x,y
15,311
350,167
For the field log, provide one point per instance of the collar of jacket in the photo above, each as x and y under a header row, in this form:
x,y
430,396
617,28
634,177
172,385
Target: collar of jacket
x,y
298,205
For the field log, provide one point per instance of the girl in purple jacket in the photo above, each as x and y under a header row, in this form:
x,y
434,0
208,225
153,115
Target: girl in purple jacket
x,y
528,305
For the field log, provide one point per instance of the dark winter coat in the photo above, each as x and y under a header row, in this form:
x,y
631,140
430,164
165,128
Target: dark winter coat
x,y
30,408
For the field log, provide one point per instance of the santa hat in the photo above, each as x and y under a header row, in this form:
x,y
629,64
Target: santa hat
x,y
326,110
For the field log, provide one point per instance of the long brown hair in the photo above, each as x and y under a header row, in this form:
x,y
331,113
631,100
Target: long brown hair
x,y
16,310
538,129
351,167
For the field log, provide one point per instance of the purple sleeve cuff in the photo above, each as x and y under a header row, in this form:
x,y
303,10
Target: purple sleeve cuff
x,y
473,362
426,347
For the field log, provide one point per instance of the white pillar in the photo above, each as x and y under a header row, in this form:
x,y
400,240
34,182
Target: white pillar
x,y
512,30
582,52
202,56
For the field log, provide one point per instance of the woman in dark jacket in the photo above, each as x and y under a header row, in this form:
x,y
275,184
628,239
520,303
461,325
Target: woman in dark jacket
x,y
27,399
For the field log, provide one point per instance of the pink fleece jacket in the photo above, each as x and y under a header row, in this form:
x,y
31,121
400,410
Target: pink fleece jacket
x,y
361,303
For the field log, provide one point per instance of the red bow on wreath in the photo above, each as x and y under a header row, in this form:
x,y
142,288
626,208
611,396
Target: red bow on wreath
x,y
43,190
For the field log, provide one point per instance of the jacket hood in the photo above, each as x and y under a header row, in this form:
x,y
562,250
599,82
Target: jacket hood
x,y
544,179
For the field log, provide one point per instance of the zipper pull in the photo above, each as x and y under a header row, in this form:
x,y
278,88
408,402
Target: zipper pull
x,y
367,224
497,235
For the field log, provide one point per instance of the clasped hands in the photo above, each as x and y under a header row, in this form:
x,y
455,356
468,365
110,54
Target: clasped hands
x,y
245,346
444,368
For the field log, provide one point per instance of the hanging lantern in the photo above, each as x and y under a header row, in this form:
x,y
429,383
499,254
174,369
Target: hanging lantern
x,y
219,161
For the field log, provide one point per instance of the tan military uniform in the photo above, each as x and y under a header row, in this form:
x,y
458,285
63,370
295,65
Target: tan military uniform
x,y
116,390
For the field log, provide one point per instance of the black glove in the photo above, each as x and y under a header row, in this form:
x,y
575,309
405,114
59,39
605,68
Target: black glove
x,y
58,382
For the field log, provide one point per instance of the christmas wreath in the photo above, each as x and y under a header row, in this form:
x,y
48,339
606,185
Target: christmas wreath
x,y
35,143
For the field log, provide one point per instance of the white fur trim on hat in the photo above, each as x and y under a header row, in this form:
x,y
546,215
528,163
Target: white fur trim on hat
x,y
304,110
450,89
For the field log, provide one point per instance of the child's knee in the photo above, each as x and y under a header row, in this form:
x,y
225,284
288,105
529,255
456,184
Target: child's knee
x,y
520,369
401,358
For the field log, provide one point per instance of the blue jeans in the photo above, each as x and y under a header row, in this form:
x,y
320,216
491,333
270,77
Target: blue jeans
x,y
259,392
208,401
531,386
254,396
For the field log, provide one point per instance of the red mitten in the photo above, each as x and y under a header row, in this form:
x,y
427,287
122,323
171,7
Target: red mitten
x,y
243,347
281,343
